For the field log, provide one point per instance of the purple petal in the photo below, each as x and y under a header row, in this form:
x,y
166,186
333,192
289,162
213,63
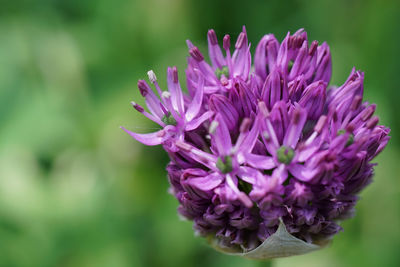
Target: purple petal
x,y
265,56
249,175
223,106
195,105
201,187
150,139
274,89
195,123
313,99
175,89
298,119
221,137
214,50
260,162
324,64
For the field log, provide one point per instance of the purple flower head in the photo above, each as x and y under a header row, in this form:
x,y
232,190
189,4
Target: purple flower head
x,y
266,150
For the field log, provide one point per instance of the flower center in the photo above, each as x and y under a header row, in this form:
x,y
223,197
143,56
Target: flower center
x,y
168,119
285,154
224,164
222,71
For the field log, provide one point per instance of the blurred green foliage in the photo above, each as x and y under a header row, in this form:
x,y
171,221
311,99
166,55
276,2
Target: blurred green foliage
x,y
77,191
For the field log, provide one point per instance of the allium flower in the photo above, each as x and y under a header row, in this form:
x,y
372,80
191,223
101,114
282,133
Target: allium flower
x,y
256,149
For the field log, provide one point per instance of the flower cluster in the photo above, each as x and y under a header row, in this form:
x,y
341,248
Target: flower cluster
x,y
253,146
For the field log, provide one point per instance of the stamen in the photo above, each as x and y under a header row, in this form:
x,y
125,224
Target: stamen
x,y
143,88
212,36
213,127
266,136
272,135
369,111
226,42
310,139
313,48
245,126
263,108
152,117
295,41
196,54
137,107
296,116
350,127
372,122
355,104
166,94
152,76
317,129
320,124
174,74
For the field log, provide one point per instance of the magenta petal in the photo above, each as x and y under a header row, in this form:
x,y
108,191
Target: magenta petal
x,y
303,173
324,64
222,105
195,105
260,162
295,128
241,57
313,99
214,50
251,138
206,183
194,124
150,139
282,58
175,89
274,89
281,173
265,56
249,175
279,119
221,137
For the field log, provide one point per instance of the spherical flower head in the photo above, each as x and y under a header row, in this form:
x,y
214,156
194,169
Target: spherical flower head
x,y
265,160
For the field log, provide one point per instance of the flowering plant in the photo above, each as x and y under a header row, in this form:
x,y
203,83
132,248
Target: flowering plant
x,y
266,158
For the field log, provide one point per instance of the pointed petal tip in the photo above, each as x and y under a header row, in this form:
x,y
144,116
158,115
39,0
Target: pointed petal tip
x,y
212,37
189,44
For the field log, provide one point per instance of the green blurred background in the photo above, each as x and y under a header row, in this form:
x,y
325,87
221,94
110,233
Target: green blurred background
x,y
77,191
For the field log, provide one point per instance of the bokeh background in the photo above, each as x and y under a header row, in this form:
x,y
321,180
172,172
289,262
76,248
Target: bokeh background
x,y
77,191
